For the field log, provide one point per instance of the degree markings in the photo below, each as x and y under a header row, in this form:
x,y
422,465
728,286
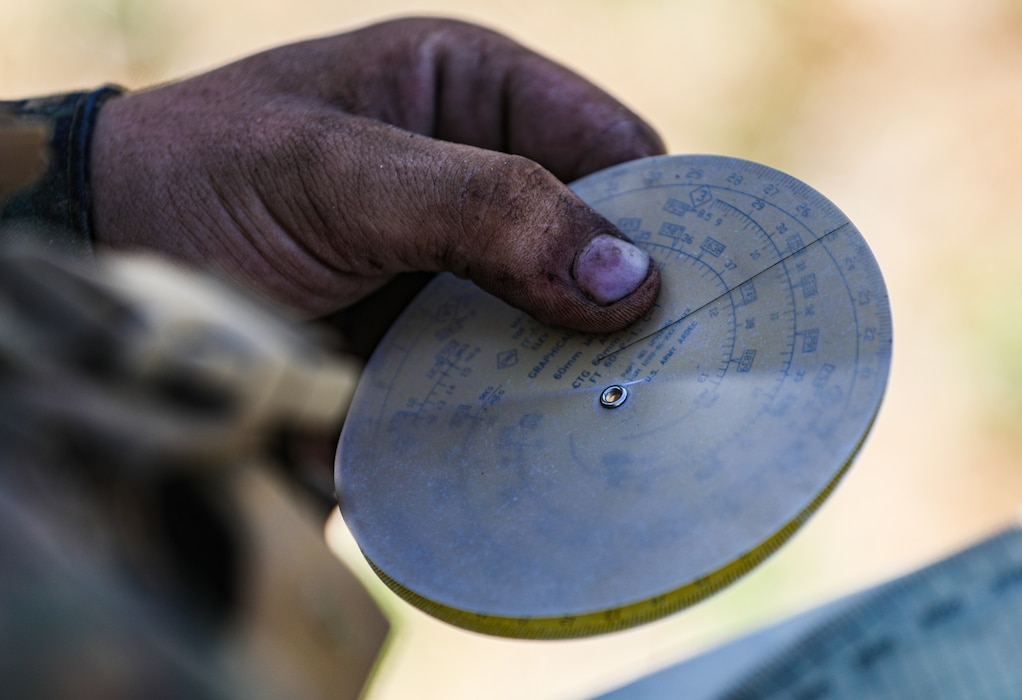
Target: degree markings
x,y
501,493
731,290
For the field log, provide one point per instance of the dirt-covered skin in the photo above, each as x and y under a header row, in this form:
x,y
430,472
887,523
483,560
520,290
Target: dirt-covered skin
x,y
316,172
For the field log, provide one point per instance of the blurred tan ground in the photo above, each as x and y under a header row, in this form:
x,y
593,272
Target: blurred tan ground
x,y
907,113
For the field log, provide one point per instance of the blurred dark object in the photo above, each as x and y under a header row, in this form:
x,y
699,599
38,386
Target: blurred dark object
x,y
947,630
149,545
23,154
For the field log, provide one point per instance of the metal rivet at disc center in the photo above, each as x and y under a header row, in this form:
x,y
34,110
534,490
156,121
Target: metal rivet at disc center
x,y
613,396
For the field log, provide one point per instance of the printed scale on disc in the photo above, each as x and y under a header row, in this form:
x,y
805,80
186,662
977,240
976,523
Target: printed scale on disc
x,y
527,481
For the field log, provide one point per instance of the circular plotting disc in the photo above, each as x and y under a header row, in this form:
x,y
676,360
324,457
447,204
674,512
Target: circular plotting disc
x,y
527,481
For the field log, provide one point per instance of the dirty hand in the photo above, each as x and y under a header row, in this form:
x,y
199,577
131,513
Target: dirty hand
x,y
316,172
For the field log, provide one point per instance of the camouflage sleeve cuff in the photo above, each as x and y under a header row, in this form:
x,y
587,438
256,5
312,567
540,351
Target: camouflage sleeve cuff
x,y
55,210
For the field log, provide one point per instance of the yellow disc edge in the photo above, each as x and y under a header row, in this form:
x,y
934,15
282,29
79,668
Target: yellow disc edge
x,y
632,614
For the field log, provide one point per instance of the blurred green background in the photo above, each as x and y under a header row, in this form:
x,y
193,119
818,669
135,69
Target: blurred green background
x,y
906,113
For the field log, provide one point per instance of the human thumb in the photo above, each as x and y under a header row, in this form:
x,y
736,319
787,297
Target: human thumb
x,y
512,228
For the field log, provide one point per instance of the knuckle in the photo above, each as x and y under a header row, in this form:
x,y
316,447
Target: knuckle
x,y
502,190
300,178
499,199
509,218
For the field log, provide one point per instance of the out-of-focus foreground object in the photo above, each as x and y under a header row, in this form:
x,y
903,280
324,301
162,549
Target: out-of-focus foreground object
x,y
154,540
950,630
23,154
